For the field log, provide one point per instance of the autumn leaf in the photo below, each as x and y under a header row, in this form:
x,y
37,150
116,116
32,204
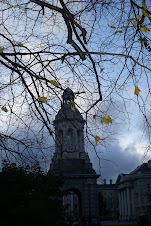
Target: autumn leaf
x,y
97,138
135,23
125,27
144,5
73,106
145,29
145,13
139,17
129,20
105,120
102,69
94,116
112,27
43,99
1,49
20,44
109,119
137,90
54,83
118,32
4,109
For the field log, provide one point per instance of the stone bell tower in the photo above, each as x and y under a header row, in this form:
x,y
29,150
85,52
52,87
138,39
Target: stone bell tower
x,y
70,159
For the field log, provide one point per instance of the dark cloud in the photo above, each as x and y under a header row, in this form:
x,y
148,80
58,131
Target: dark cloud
x,y
117,161
129,131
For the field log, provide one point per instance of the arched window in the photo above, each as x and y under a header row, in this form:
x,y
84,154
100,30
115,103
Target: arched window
x,y
73,203
70,139
60,139
78,140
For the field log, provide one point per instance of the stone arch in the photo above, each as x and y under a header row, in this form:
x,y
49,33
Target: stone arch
x,y
77,211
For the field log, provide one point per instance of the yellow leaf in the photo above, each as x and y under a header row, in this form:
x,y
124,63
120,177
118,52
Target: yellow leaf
x,y
129,20
135,23
73,106
43,99
109,119
125,27
105,120
145,29
137,90
102,69
118,32
139,17
1,49
54,83
145,13
144,5
4,109
112,27
97,138
20,44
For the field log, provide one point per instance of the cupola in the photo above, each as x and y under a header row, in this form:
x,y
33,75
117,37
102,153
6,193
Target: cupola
x,y
69,129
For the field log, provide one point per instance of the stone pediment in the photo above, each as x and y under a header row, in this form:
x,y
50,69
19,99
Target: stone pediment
x,y
120,178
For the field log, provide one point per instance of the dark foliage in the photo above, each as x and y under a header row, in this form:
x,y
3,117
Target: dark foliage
x,y
29,197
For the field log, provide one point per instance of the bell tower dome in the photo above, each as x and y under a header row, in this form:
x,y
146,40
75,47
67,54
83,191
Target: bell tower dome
x,y
68,96
69,129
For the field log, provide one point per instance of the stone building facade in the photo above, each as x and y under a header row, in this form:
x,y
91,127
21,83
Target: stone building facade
x,y
72,162
133,190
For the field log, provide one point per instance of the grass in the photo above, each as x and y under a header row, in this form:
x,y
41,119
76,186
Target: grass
x,y
122,225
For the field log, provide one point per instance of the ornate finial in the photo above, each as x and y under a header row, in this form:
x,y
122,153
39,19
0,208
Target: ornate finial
x,y
68,96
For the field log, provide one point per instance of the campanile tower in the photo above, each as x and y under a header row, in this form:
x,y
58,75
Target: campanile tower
x,y
70,159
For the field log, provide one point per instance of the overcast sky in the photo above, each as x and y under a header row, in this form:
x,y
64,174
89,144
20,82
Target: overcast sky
x,y
122,155
127,138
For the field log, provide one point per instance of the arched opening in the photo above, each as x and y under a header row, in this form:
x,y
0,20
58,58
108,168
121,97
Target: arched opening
x,y
72,202
70,139
59,140
79,140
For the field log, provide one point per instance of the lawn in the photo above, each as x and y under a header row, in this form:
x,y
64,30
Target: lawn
x,y
122,225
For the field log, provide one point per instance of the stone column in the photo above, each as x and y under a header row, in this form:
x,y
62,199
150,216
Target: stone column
x,y
125,205
120,203
133,203
128,203
71,196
